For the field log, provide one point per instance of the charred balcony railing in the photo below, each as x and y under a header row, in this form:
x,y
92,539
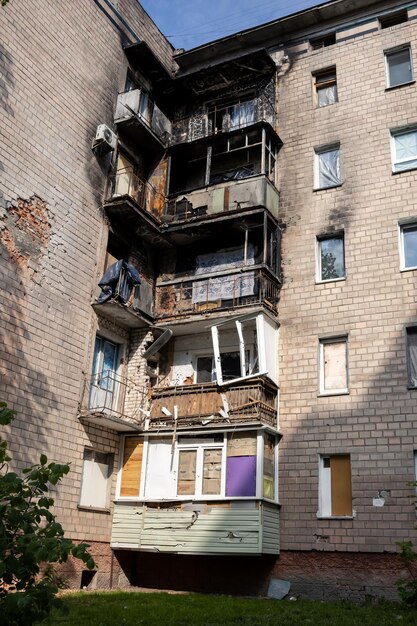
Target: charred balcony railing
x,y
113,401
223,118
240,288
126,183
253,402
234,195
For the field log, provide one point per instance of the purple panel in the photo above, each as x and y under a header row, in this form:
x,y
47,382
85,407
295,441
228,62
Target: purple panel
x,y
241,476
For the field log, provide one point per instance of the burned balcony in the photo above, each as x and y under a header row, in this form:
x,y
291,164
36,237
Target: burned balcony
x,y
133,205
113,402
124,297
224,117
139,120
232,195
207,404
235,289
238,170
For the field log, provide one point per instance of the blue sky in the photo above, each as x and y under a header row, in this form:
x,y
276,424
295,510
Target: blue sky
x,y
189,23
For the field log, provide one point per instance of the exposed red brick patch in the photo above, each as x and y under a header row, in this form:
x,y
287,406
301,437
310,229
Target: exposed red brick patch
x,y
25,230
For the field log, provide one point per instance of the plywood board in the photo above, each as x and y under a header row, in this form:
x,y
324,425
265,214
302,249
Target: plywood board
x,y
132,466
242,445
341,485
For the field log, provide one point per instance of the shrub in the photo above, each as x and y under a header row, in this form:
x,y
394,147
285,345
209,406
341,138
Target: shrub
x,y
30,538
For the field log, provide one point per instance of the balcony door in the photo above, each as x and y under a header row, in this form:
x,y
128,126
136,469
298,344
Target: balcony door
x,y
103,388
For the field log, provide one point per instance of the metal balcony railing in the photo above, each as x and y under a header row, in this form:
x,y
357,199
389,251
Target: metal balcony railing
x,y
107,394
126,183
224,118
242,288
255,401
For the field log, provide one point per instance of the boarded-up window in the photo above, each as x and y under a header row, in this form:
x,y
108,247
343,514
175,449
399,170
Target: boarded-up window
x,y
335,486
186,472
241,465
269,467
333,366
132,466
95,484
212,472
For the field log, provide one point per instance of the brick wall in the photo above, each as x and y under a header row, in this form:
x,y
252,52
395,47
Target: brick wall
x,y
60,72
376,422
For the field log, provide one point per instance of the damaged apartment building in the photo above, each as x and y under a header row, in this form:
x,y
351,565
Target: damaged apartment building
x,y
209,304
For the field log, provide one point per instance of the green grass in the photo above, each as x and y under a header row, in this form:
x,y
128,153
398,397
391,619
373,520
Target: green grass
x,y
132,609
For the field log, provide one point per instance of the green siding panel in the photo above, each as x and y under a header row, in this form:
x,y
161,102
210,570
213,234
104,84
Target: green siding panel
x,y
217,531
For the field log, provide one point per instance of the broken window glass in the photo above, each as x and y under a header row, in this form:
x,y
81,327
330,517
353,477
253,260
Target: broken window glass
x,y
399,67
326,87
412,356
327,171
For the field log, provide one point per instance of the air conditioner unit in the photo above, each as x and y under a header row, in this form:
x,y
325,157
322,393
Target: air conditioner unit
x,y
105,139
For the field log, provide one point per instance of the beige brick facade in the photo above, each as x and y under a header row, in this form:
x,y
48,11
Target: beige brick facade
x,y
60,73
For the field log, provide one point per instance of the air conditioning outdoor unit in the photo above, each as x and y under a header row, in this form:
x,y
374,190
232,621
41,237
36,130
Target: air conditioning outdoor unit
x,y
105,139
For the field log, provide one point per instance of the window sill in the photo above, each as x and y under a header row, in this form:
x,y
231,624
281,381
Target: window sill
x,y
412,82
336,517
410,388
329,394
326,188
325,106
93,509
408,269
331,280
409,169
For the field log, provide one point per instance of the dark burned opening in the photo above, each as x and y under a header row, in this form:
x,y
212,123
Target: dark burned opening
x,y
87,578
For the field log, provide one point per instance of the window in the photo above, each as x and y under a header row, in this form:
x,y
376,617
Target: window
x,y
335,498
200,469
325,87
330,258
257,330
225,465
230,363
392,19
408,246
333,366
323,41
124,181
404,149
95,483
327,167
412,356
103,389
399,66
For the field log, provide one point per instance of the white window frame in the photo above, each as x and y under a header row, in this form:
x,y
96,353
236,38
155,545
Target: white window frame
x,y
106,486
319,240
118,396
322,150
322,343
325,491
199,447
261,322
402,226
396,132
190,445
392,51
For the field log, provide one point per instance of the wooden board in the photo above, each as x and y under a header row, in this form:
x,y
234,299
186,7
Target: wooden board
x,y
132,466
341,485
